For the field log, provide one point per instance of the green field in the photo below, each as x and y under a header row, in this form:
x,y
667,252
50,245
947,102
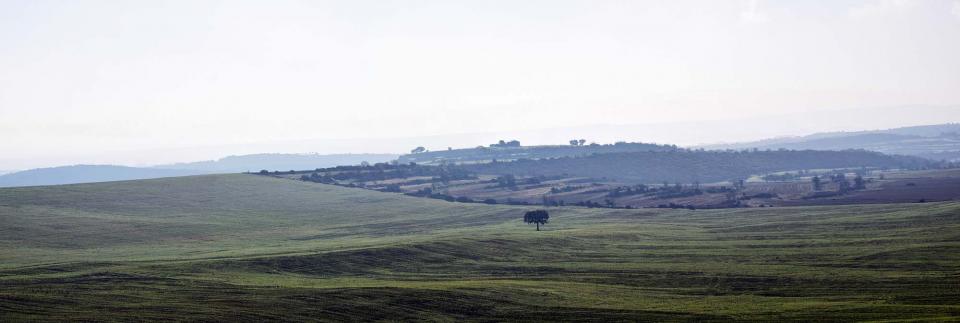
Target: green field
x,y
255,248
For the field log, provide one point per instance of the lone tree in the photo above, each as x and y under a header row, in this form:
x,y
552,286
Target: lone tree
x,y
538,216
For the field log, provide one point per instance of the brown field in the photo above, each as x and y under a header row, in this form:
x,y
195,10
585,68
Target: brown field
x,y
899,187
881,187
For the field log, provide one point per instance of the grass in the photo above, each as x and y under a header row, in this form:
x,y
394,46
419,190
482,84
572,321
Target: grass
x,y
245,247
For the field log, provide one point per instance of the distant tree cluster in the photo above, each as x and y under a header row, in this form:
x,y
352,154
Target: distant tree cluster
x,y
564,189
859,183
590,204
484,154
677,192
665,191
386,171
785,177
839,178
436,194
676,206
506,144
844,185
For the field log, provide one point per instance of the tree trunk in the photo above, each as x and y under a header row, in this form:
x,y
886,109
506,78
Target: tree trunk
x,y
538,226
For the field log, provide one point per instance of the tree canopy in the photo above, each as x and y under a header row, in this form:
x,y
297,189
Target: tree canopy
x,y
537,216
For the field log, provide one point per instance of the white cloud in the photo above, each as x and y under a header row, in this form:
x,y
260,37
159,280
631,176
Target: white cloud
x,y
751,14
955,10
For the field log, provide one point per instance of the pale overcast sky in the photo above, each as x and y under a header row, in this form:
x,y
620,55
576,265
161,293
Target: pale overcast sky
x,y
79,79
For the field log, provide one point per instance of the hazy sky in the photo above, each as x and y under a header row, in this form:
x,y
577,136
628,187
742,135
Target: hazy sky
x,y
79,79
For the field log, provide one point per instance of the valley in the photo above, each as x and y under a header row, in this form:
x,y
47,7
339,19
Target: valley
x,y
253,247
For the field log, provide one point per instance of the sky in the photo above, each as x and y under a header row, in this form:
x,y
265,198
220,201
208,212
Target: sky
x,y
149,82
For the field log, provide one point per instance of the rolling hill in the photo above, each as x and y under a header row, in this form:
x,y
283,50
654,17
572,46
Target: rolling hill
x,y
86,174
939,142
257,248
256,162
232,164
487,154
688,166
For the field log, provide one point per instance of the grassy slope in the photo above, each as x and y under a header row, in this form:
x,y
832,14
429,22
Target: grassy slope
x,y
255,248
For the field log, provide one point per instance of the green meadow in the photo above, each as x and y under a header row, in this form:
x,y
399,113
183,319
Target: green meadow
x,y
257,248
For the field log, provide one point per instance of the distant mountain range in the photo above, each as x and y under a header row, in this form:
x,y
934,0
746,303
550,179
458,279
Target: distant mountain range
x,y
232,164
256,162
938,142
86,174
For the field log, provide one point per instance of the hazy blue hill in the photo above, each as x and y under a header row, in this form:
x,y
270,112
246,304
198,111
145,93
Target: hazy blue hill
x,y
923,131
86,174
945,155
933,141
256,162
863,141
232,164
